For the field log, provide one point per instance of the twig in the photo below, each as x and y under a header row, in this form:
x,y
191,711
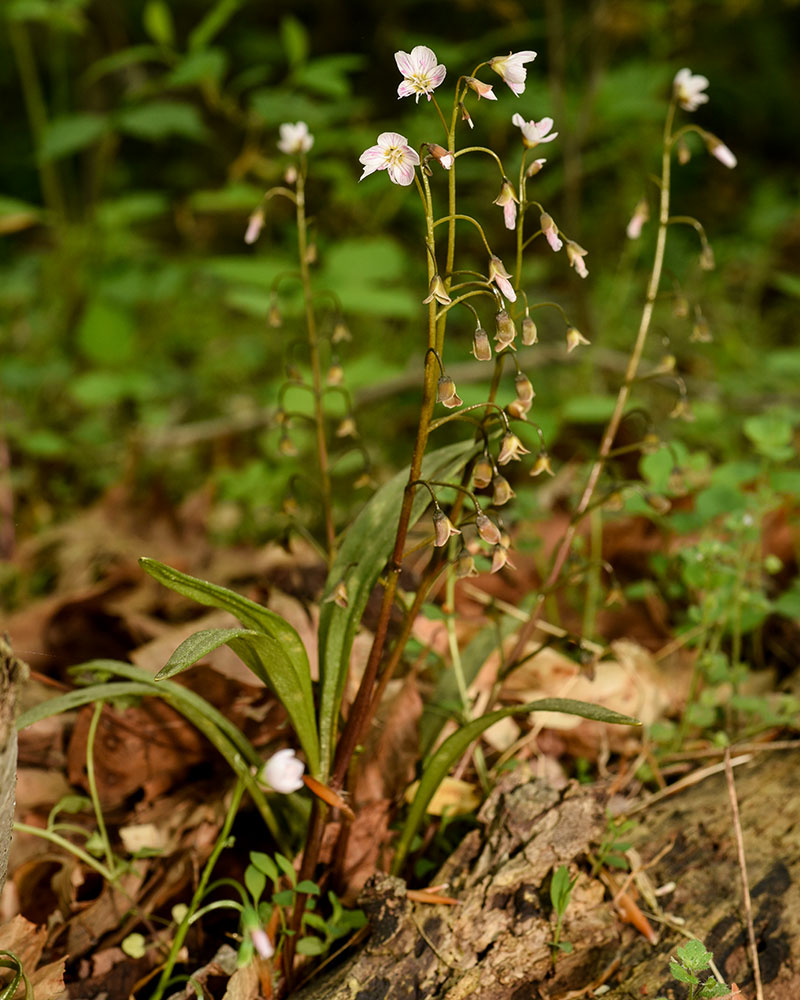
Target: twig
x,y
748,912
691,779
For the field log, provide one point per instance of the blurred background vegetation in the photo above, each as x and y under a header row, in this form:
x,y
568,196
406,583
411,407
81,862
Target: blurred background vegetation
x,y
138,137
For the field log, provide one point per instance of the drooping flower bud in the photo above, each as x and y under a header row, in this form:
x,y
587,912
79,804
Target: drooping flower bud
x,y
684,153
481,89
338,595
507,200
465,116
481,348
482,472
443,528
535,167
438,292
640,215
707,262
518,409
465,565
487,529
341,332
575,255
511,449
347,428
501,490
523,387
530,335
441,154
718,149
542,464
701,331
335,375
274,317
506,332
287,447
550,230
575,338
499,275
500,558
254,226
446,393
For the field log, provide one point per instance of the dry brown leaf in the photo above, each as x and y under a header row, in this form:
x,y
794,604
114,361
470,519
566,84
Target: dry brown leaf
x,y
25,940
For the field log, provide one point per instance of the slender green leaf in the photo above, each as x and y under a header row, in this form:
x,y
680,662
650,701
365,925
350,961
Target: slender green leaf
x,y
157,20
196,647
359,562
295,40
158,120
274,652
71,133
454,746
214,21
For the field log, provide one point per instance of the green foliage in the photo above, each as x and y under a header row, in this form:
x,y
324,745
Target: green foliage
x,y
561,886
692,959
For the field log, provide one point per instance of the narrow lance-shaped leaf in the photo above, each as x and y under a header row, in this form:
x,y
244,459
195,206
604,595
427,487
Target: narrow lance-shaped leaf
x,y
454,746
274,650
363,555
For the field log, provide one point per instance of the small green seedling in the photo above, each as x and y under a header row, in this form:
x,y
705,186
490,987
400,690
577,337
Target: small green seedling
x,y
561,888
692,959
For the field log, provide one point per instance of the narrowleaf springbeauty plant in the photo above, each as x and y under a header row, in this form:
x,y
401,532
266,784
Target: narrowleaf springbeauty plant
x,y
449,505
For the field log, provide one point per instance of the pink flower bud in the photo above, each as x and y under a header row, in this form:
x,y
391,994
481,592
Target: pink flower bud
x,y
501,278
530,335
487,529
481,348
506,332
550,230
482,473
283,772
443,528
481,89
254,226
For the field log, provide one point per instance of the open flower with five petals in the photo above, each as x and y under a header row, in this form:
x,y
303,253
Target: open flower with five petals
x,y
393,154
421,73
688,89
512,68
534,132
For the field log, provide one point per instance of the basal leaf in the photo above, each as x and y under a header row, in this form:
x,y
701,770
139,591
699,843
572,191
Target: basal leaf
x,y
274,652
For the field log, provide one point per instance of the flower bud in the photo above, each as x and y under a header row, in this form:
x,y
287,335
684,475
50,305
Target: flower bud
x,y
481,348
542,464
518,409
482,473
701,331
254,226
535,167
707,262
550,230
500,558
501,490
530,335
261,942
718,149
437,291
291,175
506,331
347,428
523,387
499,275
335,374
684,153
507,200
311,253
680,308
465,565
439,153
283,772
443,528
446,393
465,116
287,447
274,316
511,449
487,529
575,338
341,332
338,595
575,255
640,215
481,89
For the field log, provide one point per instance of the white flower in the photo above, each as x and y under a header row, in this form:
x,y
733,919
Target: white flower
x,y
575,255
481,89
283,772
254,226
507,200
421,74
640,215
534,132
261,942
393,154
550,230
295,138
512,68
718,148
688,87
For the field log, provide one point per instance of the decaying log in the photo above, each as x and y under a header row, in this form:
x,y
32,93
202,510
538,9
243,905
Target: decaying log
x,y
495,945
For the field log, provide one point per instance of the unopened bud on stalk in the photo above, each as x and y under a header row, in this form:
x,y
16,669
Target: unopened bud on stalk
x,y
575,255
338,595
501,278
283,772
542,464
291,175
482,473
701,331
684,153
487,529
465,116
341,332
287,447
481,348
446,393
506,332
550,230
640,215
254,226
523,387
500,558
465,565
575,338
481,89
274,317
439,153
511,449
718,149
535,167
335,374
347,428
437,291
443,528
311,253
507,200
518,409
530,335
680,308
501,490
707,262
